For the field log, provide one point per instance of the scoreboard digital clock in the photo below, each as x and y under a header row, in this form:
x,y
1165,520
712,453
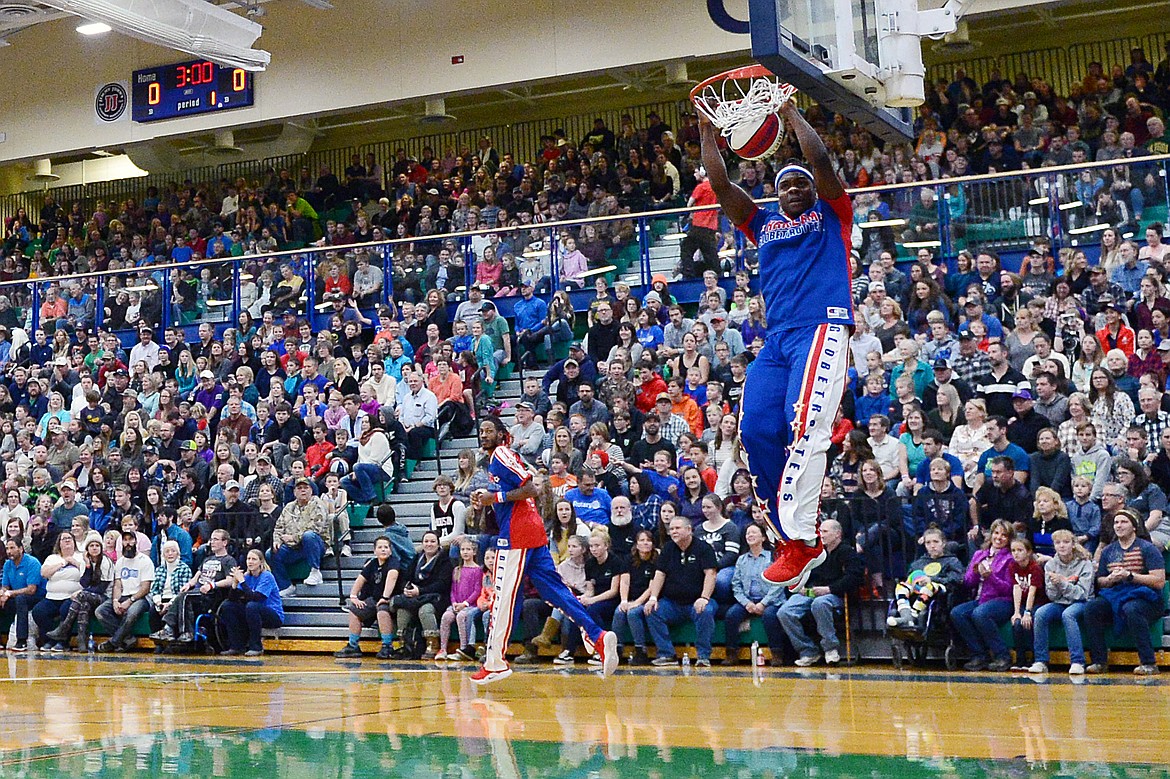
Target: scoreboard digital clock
x,y
189,88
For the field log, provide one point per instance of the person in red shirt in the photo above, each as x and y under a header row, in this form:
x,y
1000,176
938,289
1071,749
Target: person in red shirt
x,y
1116,334
337,281
651,384
1028,594
698,455
317,455
703,235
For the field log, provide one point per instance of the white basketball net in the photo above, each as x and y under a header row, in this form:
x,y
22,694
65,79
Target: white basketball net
x,y
729,106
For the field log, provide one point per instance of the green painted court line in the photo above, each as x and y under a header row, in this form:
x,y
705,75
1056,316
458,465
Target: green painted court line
x,y
284,753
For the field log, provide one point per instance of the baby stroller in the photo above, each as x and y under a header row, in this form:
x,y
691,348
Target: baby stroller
x,y
932,631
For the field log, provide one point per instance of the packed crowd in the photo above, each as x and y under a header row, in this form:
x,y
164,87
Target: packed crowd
x,y
171,479
964,127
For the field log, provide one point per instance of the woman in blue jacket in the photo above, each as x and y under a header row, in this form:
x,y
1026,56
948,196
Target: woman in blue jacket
x,y
255,605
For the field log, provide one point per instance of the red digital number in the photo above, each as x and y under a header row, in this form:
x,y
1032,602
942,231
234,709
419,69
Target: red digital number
x,y
194,75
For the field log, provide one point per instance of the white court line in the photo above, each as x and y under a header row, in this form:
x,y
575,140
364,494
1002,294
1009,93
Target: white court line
x,y
205,674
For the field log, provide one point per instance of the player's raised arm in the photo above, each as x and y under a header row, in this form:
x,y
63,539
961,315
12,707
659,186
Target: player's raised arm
x,y
736,203
813,148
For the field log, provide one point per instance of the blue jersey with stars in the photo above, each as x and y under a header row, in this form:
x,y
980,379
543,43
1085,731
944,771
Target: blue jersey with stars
x,y
804,264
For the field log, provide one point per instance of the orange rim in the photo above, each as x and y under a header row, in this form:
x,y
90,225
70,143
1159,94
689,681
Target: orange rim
x,y
751,71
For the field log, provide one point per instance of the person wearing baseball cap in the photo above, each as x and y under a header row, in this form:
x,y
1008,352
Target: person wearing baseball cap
x,y
1025,426
944,373
1116,334
530,314
69,507
235,513
586,371
299,536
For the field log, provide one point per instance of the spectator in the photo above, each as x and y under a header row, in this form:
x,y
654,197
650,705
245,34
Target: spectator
x,y
1001,497
1130,577
426,594
681,590
299,535
202,594
418,416
591,503
978,621
127,601
999,385
21,589
1050,466
369,600
824,595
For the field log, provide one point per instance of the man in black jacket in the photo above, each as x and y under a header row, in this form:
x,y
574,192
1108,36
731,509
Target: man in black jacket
x,y
1000,497
824,595
1027,423
603,335
237,518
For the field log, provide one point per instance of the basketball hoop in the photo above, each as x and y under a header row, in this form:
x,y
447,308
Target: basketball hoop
x,y
741,97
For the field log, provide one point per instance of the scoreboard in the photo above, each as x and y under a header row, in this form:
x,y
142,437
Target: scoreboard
x,y
189,88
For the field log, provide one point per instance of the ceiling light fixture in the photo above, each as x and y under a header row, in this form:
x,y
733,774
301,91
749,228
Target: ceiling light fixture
x,y
93,28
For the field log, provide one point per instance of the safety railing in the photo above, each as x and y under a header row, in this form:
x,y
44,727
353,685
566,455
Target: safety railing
x,y
1004,212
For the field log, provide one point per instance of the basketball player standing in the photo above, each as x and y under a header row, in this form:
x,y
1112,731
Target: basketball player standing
x,y
795,385
522,550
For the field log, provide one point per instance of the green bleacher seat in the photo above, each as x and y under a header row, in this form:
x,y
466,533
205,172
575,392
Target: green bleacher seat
x,y
1151,214
357,513
1057,639
429,450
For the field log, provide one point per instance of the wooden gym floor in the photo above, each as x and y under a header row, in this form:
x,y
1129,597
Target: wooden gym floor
x,y
299,716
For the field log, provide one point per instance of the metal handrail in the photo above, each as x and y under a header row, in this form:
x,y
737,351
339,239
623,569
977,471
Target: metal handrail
x,y
570,223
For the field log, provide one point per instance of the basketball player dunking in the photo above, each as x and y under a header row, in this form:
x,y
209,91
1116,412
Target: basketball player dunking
x,y
522,550
795,386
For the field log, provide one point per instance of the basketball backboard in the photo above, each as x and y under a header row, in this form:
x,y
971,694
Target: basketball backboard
x,y
852,56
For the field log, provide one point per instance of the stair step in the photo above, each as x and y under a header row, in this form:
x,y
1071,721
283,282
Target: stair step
x,y
316,619
314,604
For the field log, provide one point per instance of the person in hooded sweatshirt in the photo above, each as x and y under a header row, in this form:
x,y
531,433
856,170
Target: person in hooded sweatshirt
x,y
935,573
1068,579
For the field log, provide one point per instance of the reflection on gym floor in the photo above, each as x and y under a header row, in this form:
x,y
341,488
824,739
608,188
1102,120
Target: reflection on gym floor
x,y
297,717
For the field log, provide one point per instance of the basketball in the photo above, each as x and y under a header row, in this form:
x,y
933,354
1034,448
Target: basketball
x,y
754,140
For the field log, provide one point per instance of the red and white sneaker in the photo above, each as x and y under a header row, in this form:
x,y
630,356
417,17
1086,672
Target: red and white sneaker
x,y
607,649
794,562
484,676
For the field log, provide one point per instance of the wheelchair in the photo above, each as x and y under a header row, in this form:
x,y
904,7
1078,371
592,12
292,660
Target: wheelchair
x,y
934,631
209,635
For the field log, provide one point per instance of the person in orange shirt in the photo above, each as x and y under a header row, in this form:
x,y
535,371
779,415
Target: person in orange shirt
x,y
684,405
446,385
560,478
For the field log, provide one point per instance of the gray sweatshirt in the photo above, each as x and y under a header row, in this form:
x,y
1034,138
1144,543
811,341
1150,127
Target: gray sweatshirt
x,y
1094,466
1075,582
